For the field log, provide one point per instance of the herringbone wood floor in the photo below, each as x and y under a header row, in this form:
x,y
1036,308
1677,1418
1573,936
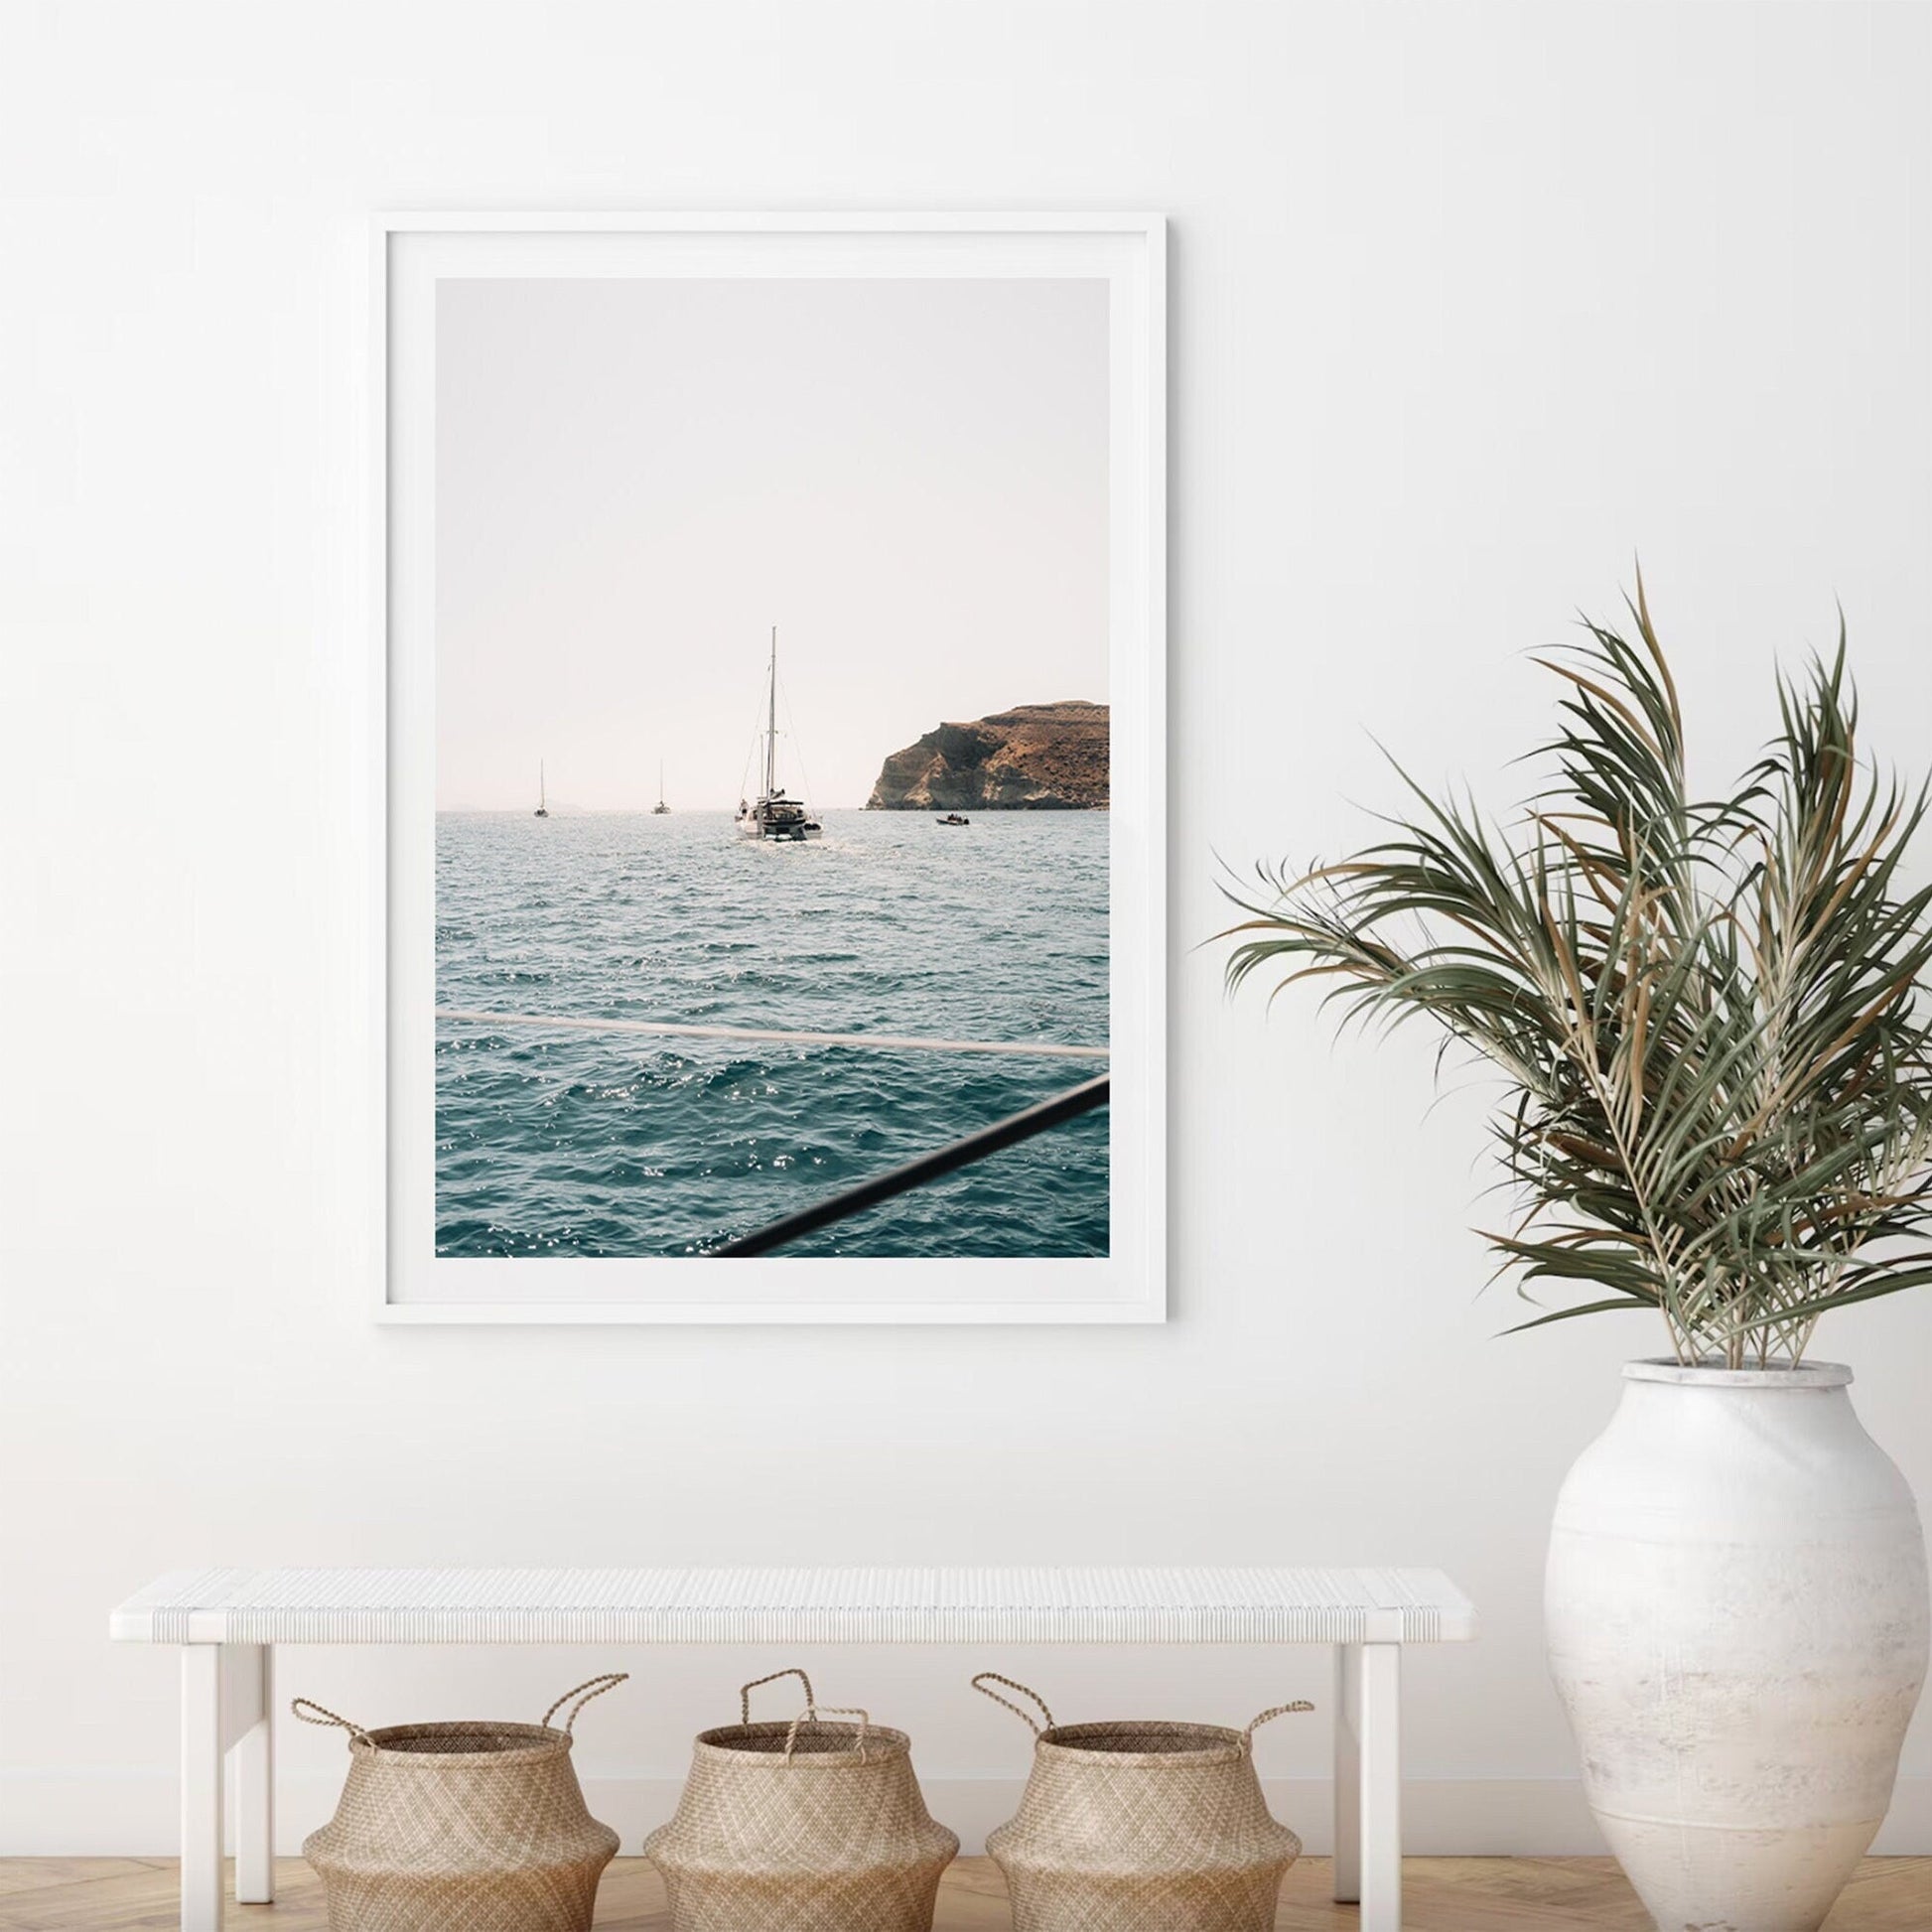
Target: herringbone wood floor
x,y
1442,1896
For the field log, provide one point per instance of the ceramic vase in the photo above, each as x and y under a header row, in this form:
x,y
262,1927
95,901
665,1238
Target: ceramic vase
x,y
1737,1619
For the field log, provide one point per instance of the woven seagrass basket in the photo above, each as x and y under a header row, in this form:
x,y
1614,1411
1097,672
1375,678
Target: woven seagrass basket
x,y
1141,1826
803,1827
462,1827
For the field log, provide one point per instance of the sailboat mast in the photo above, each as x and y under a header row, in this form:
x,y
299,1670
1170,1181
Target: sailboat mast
x,y
771,723
541,799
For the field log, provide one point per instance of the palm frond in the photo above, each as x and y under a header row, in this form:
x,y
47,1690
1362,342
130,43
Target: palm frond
x,y
1712,1013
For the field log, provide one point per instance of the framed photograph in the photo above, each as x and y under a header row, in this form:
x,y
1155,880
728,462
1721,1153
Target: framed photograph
x,y
772,661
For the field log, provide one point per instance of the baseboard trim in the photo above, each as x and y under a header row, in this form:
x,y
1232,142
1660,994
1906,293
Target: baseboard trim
x,y
108,1814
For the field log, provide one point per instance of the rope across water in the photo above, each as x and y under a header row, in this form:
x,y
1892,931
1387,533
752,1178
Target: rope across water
x,y
880,1043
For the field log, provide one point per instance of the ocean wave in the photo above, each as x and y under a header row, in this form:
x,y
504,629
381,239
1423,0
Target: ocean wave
x,y
609,1144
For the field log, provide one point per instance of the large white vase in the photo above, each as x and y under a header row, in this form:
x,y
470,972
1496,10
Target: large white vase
x,y
1737,1617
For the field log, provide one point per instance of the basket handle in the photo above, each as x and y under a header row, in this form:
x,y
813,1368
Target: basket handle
x,y
987,1676
327,1719
593,1687
815,1711
745,1692
1268,1717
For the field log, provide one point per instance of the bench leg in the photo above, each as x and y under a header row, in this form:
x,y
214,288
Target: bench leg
x,y
201,1787
1368,1782
1348,1774
226,1698
1381,1787
254,1778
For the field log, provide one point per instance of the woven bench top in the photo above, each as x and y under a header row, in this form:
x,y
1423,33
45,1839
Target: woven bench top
x,y
801,1605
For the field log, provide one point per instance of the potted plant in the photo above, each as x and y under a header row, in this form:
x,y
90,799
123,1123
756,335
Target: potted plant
x,y
1710,1020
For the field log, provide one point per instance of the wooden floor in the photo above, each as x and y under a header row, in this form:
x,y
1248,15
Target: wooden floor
x,y
1442,1896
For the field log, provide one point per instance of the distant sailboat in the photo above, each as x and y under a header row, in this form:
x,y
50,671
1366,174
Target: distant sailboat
x,y
543,805
772,815
661,807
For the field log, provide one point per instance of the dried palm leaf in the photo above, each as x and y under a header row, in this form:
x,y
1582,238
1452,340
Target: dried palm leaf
x,y
1710,1013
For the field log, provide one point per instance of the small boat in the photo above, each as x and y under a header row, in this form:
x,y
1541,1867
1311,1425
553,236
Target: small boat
x,y
543,805
661,808
774,815
952,819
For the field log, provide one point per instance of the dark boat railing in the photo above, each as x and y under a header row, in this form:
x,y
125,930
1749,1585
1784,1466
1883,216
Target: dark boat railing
x,y
958,1153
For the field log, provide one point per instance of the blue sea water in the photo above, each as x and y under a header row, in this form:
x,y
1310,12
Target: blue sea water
x,y
611,1144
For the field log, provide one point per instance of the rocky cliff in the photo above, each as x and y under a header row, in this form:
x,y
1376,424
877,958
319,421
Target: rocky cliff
x,y
1034,757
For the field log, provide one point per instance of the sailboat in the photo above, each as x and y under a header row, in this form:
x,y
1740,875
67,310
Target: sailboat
x,y
772,815
543,804
661,808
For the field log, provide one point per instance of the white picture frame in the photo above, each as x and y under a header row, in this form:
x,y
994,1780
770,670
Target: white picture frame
x,y
411,253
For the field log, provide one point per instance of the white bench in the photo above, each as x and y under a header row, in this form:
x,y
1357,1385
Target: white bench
x,y
227,1624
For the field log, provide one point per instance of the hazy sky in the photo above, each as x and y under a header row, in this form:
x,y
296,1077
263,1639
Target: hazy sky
x,y
637,478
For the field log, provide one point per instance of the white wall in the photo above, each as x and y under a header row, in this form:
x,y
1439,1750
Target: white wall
x,y
1471,302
